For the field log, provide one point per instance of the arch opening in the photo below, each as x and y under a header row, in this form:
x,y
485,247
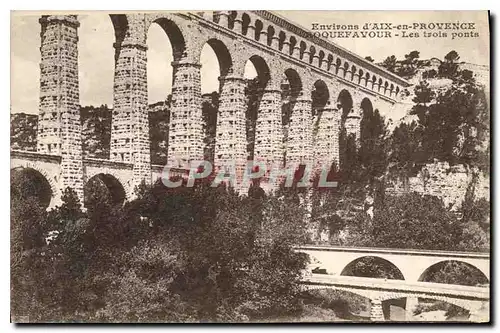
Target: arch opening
x,y
97,56
302,50
367,130
312,54
245,22
30,184
320,96
231,18
329,62
103,188
175,37
293,44
217,64
344,104
373,267
454,272
345,304
257,74
291,89
165,44
258,29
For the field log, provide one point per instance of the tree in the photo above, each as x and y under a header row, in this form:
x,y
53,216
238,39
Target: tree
x,y
253,94
414,221
409,64
423,94
390,63
209,114
23,128
202,256
449,67
405,151
370,59
96,130
453,123
429,74
158,134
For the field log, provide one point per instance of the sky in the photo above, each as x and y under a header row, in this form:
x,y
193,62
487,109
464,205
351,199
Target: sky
x,y
96,53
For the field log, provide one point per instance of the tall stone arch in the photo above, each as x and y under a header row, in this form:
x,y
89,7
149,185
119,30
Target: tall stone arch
x,y
116,191
122,176
186,129
40,184
479,269
366,261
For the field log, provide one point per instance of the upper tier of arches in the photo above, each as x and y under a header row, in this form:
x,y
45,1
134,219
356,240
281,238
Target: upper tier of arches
x,y
272,35
260,30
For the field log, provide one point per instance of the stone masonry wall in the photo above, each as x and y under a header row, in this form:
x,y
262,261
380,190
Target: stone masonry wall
x,y
326,137
231,141
186,128
59,128
300,132
268,130
130,124
444,181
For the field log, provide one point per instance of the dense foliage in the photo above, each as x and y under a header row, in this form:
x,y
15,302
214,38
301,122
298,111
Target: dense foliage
x,y
208,254
186,254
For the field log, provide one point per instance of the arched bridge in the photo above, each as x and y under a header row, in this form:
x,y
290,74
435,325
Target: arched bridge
x,y
473,299
413,264
328,89
413,267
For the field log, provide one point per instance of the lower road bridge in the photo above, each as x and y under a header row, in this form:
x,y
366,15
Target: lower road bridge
x,y
414,269
474,299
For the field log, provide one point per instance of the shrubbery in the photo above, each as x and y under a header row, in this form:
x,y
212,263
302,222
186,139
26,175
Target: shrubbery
x,y
191,254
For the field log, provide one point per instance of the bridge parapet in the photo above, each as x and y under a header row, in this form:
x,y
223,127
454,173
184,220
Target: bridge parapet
x,y
400,286
387,250
35,156
108,163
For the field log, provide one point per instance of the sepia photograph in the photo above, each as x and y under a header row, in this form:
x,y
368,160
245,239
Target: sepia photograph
x,y
250,166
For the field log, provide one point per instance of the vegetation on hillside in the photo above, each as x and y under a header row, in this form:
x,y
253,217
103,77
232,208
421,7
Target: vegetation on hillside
x,y
208,254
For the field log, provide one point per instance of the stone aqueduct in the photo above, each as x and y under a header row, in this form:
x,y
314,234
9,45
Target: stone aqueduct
x,y
278,49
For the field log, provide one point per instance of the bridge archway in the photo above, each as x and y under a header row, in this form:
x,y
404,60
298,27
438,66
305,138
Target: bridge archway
x,y
166,44
454,272
373,267
104,188
258,74
174,34
291,90
31,183
223,55
216,65
97,57
346,304
262,70
344,104
371,127
320,96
